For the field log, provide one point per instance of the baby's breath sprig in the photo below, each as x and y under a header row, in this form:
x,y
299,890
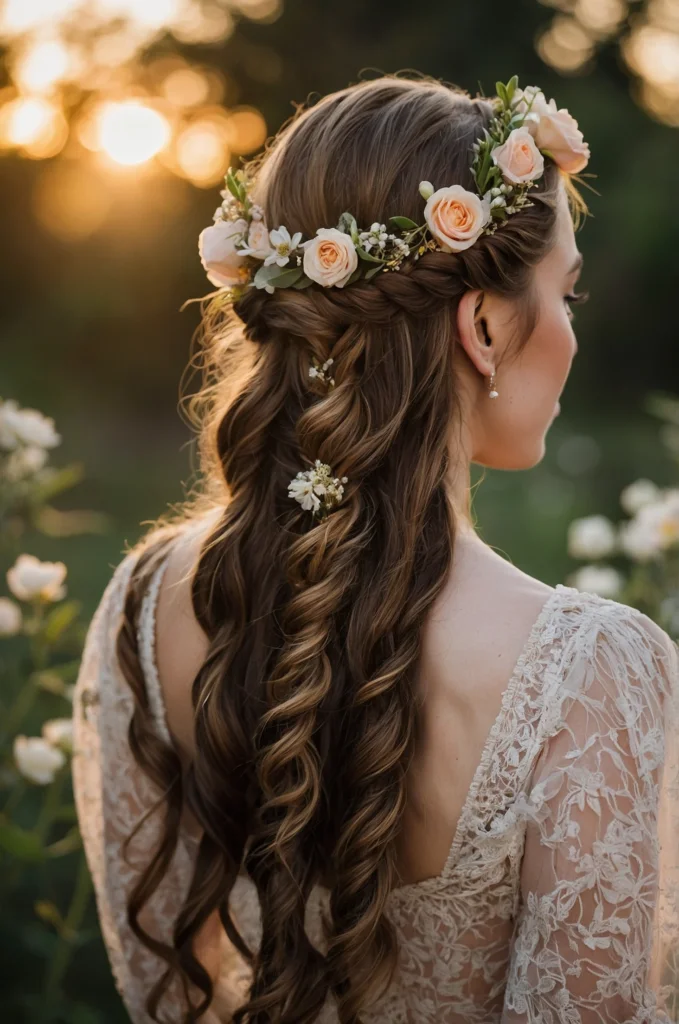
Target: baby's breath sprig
x,y
317,490
320,371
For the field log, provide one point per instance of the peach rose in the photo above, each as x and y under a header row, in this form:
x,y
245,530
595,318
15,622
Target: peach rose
x,y
456,217
330,258
558,133
223,263
519,158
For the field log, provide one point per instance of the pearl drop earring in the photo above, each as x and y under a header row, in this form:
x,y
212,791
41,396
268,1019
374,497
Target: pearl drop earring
x,y
492,393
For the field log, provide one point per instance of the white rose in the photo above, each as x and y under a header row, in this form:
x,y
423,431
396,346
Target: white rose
x,y
28,426
59,732
224,264
603,580
591,537
330,258
10,617
258,240
29,578
37,759
636,495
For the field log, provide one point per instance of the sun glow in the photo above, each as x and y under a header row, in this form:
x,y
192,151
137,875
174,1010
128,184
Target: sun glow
x,y
131,133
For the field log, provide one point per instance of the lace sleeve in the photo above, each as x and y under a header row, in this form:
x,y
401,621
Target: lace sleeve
x,y
112,795
597,935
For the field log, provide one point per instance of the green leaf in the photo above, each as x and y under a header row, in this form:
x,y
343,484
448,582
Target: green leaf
x,y
354,276
501,91
60,619
512,86
347,224
286,278
233,185
303,282
264,274
371,273
368,258
19,843
404,222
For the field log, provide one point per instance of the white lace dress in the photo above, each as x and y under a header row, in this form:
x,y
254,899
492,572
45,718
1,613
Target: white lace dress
x,y
559,901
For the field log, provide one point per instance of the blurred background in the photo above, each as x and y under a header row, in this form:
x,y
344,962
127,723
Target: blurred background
x,y
118,120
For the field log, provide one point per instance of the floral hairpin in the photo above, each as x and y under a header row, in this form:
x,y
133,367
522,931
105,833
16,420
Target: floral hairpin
x,y
317,490
239,251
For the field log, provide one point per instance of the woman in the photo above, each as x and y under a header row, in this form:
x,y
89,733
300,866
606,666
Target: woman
x,y
337,759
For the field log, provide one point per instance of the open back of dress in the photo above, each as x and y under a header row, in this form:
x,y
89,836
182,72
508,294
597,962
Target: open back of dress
x,y
559,900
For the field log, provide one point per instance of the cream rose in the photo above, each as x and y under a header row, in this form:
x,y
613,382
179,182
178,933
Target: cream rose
x,y
10,617
456,217
258,240
37,759
223,263
29,578
558,133
519,158
330,258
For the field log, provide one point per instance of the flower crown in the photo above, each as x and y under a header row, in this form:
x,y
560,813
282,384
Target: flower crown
x,y
239,251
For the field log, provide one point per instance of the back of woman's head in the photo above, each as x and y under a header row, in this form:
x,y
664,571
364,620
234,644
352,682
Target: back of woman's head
x,y
305,708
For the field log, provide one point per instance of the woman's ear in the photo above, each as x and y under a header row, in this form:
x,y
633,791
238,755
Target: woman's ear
x,y
474,333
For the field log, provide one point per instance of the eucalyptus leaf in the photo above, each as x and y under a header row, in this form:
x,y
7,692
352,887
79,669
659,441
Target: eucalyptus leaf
x,y
286,278
303,282
368,258
371,273
347,224
355,275
264,275
404,222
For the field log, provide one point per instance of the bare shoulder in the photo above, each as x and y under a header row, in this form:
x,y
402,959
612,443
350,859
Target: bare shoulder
x,y
181,644
482,618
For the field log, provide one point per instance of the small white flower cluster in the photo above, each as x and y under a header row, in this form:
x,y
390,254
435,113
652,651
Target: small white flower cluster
x,y
384,242
320,370
25,435
317,490
39,758
648,535
498,195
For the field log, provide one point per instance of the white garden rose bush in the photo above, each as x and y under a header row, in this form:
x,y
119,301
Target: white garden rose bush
x,y
40,648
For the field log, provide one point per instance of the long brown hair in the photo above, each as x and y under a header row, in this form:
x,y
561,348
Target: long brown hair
x,y
305,708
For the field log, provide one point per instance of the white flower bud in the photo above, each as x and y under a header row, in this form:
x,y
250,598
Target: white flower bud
x,y
37,760
426,189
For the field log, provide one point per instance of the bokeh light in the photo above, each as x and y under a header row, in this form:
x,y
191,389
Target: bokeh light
x,y
40,67
34,125
202,154
131,133
649,42
80,68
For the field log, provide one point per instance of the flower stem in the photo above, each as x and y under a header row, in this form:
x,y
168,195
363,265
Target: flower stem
x,y
72,922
